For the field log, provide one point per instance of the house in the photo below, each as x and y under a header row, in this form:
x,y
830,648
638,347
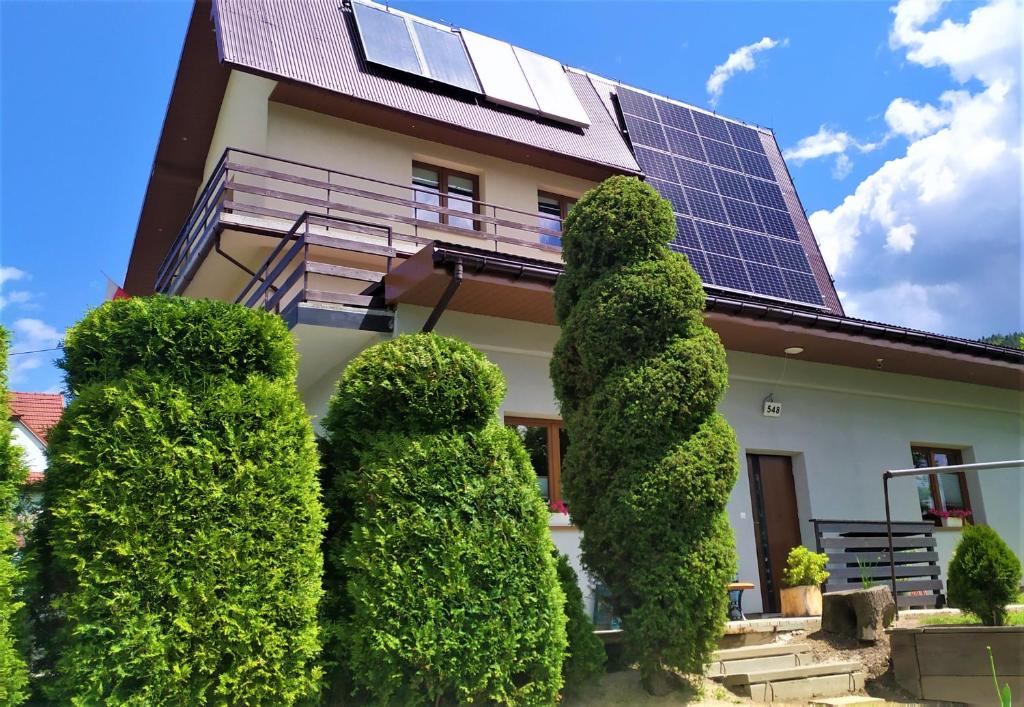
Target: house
x,y
364,173
33,414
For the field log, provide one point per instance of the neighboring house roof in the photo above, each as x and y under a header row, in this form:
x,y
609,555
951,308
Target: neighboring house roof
x,y
38,412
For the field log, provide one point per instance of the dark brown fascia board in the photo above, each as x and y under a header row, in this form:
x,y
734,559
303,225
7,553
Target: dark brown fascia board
x,y
375,115
177,172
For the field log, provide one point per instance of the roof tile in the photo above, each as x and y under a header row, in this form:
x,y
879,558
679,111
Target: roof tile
x,y
37,411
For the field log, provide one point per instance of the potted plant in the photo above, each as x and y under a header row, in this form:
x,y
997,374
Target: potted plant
x,y
950,518
805,572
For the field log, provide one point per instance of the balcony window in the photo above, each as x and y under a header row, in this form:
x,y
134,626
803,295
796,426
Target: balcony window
x,y
448,189
546,444
940,495
551,212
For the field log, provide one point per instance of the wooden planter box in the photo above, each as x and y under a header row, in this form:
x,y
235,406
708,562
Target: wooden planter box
x,y
950,663
801,601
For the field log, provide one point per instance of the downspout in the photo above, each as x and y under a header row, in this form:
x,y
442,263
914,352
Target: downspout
x,y
446,297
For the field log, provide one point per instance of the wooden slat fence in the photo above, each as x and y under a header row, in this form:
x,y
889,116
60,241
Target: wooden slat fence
x,y
859,550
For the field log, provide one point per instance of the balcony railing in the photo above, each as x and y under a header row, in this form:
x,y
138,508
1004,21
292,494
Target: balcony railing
x,y
264,194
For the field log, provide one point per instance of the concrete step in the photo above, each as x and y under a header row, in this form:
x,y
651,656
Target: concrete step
x,y
757,665
794,673
759,651
803,688
848,701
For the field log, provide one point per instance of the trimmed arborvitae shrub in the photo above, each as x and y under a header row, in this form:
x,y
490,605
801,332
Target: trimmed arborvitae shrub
x,y
984,575
585,655
651,465
13,670
178,552
441,581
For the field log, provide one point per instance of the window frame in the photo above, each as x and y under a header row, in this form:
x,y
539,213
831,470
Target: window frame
x,y
564,204
554,450
954,455
443,173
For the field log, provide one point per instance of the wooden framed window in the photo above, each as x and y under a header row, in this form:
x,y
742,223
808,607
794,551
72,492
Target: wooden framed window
x,y
546,443
939,494
551,212
440,186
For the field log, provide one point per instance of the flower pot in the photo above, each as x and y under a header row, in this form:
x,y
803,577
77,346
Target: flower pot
x,y
801,601
954,522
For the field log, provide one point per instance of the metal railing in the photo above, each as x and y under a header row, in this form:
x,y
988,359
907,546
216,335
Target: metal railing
x,y
266,194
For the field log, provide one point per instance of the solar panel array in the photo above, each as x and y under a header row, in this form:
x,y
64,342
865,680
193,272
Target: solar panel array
x,y
733,222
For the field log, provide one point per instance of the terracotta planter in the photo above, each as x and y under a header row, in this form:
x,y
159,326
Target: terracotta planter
x,y
801,601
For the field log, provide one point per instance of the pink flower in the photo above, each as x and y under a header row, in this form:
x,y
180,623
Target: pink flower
x,y
951,513
558,507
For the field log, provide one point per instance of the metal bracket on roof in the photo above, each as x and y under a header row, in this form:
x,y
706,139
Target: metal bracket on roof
x,y
446,297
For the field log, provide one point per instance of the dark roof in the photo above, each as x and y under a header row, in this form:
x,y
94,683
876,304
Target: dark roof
x,y
37,411
315,42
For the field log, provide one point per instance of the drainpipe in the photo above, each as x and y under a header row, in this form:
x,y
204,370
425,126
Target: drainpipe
x,y
446,297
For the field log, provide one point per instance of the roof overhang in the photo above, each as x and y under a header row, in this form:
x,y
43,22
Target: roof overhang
x,y
519,288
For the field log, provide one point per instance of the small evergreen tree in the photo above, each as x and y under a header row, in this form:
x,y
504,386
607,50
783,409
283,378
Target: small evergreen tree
x,y
984,575
178,550
585,655
13,671
441,582
652,464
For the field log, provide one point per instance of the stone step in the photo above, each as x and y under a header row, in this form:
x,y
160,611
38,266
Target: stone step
x,y
759,651
757,665
804,688
795,673
848,701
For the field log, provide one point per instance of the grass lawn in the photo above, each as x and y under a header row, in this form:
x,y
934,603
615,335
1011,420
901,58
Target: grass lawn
x,y
1014,618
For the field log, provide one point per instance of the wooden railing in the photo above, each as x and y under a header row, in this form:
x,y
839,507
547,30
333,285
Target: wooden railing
x,y
268,194
858,550
298,271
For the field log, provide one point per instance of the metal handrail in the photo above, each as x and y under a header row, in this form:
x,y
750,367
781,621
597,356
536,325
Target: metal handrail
x,y
222,192
897,473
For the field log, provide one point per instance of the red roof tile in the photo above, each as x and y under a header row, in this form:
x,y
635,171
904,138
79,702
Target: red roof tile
x,y
37,411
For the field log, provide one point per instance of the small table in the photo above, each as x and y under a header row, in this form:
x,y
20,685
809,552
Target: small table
x,y
735,590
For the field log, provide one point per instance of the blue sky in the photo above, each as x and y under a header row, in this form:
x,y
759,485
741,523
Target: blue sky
x,y
900,121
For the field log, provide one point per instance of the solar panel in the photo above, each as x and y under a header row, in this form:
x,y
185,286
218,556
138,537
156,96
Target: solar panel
x,y
386,40
733,222
498,69
446,57
555,96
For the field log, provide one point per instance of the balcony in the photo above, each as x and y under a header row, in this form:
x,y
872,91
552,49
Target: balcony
x,y
292,237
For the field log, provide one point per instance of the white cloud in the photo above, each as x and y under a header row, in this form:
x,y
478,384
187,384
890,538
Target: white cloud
x,y
739,61
932,239
825,143
9,273
7,298
31,335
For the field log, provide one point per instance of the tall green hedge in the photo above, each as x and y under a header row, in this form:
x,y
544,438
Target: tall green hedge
x,y
178,552
441,581
13,670
984,575
652,464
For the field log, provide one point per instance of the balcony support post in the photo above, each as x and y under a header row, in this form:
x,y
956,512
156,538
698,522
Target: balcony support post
x,y
446,297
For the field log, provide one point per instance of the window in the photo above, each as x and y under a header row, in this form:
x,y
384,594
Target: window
x,y
551,211
941,494
545,443
448,189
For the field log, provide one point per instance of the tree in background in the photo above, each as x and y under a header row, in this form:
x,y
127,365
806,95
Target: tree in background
x,y
441,581
1013,340
177,554
651,465
13,670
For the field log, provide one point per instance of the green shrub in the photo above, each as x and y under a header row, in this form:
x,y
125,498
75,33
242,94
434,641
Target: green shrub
x,y
13,671
805,568
651,467
442,587
984,575
585,655
185,339
178,552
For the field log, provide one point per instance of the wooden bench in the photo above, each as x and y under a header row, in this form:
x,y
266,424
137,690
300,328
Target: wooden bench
x,y
736,590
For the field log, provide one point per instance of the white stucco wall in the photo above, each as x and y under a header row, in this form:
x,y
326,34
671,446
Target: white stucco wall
x,y
35,452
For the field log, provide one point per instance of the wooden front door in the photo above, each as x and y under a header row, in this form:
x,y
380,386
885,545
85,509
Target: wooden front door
x,y
776,520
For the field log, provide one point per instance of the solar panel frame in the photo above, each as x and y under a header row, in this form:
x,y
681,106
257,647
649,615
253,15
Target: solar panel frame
x,y
656,164
699,262
717,239
778,223
705,205
638,104
731,184
745,137
729,272
767,279
766,193
757,165
721,154
710,126
675,116
684,144
790,255
648,133
673,193
686,234
754,247
695,174
386,39
742,214
446,57
802,287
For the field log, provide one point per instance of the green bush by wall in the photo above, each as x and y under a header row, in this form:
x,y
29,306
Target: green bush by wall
x,y
652,465
178,552
984,575
13,670
441,581
585,655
